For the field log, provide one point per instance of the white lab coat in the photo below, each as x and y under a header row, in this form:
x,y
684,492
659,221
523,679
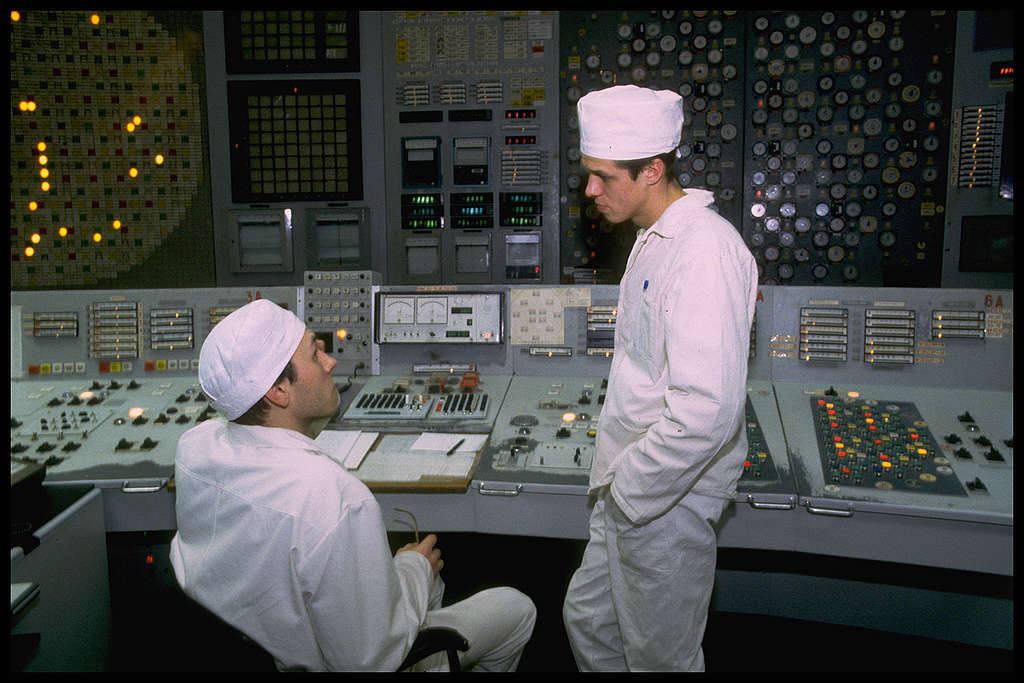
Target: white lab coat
x,y
677,385
284,544
670,446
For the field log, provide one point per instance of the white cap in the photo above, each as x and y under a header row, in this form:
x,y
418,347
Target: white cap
x,y
626,122
245,352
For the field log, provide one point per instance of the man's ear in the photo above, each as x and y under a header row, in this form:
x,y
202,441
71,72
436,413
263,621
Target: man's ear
x,y
278,395
654,171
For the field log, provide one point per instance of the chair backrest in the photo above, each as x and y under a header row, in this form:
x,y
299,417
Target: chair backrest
x,y
215,645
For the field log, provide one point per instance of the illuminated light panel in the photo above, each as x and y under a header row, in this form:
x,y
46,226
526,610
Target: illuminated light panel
x,y
92,76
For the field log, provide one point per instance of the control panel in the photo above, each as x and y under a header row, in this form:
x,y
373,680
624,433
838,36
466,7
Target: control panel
x,y
338,305
105,382
472,138
697,53
847,123
451,401
830,138
457,318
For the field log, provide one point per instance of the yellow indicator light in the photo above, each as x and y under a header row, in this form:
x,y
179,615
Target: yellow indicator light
x,y
159,159
32,206
116,224
62,231
95,19
44,173
922,451
29,251
96,237
15,15
130,127
41,146
886,464
35,238
569,417
31,105
133,172
136,120
42,160
341,334
45,186
135,412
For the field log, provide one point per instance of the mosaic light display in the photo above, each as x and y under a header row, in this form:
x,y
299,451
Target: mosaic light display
x,y
107,147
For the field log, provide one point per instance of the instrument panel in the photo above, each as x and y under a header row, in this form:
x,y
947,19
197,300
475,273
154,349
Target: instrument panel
x,y
891,406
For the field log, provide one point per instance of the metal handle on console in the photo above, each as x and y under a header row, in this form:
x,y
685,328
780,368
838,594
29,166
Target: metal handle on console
x,y
126,487
484,491
760,505
829,512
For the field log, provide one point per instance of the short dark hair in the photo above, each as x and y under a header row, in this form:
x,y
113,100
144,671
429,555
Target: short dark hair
x,y
257,414
634,166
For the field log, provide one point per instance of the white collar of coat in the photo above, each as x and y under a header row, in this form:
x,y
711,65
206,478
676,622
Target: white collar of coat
x,y
258,436
666,226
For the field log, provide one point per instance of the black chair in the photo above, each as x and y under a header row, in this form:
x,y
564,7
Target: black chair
x,y
435,639
220,646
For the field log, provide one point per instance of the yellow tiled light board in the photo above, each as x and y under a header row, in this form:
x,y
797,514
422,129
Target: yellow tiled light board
x,y
107,141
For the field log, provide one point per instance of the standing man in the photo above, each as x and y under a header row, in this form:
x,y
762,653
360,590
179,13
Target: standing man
x,y
671,441
281,542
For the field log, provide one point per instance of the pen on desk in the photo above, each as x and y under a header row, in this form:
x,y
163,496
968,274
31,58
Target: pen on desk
x,y
456,446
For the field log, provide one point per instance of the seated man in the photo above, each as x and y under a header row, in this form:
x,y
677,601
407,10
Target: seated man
x,y
281,542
